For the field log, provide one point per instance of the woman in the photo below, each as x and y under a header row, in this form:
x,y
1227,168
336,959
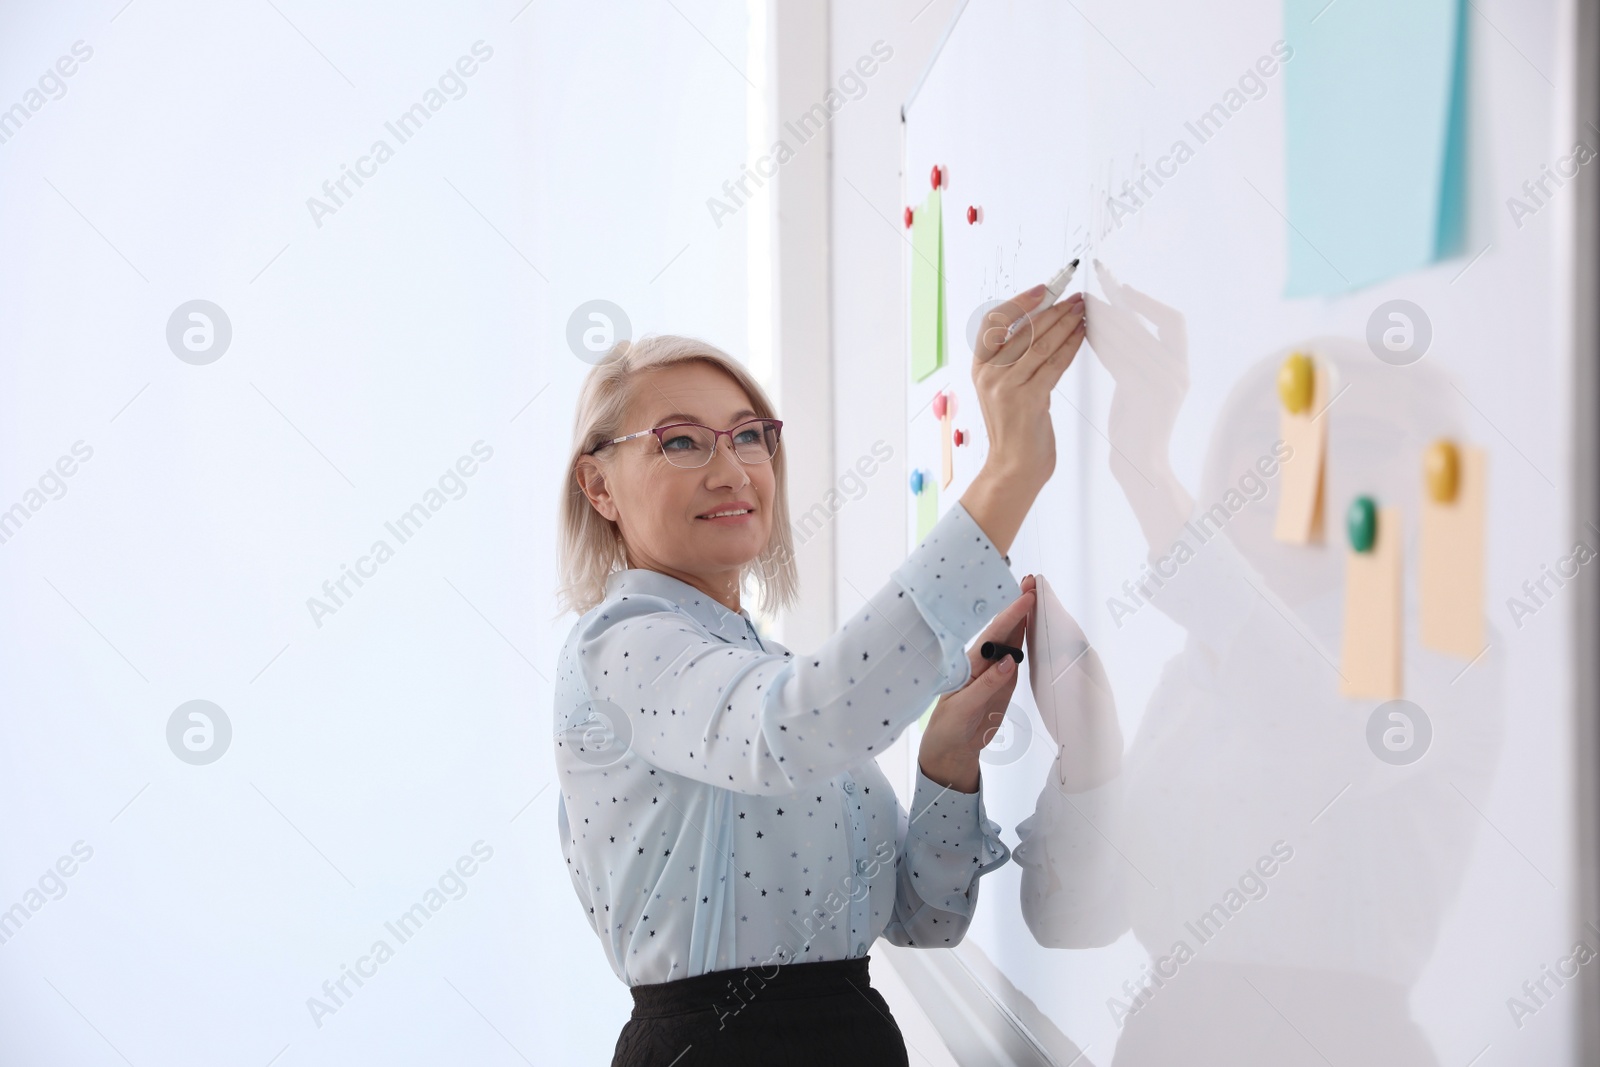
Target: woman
x,y
729,835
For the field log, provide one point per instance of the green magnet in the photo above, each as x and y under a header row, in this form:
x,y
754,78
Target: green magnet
x,y
1362,522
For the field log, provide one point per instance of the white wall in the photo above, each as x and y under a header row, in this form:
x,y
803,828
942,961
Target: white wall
x,y
869,343
368,353
868,288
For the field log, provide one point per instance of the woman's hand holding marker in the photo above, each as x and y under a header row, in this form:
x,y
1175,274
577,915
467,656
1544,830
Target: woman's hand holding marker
x,y
968,719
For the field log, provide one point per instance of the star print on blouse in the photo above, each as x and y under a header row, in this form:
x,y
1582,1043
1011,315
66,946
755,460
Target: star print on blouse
x,y
663,692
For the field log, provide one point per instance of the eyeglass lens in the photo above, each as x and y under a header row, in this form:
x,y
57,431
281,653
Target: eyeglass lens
x,y
690,446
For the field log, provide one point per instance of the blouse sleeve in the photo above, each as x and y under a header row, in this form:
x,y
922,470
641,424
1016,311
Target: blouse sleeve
x,y
767,722
946,844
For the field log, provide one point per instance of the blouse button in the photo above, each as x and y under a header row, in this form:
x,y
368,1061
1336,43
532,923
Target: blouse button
x,y
861,948
849,786
980,607
861,866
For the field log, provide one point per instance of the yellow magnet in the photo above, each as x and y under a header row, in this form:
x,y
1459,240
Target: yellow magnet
x,y
1441,466
1296,380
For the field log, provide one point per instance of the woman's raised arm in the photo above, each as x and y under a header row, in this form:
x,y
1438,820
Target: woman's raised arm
x,y
769,722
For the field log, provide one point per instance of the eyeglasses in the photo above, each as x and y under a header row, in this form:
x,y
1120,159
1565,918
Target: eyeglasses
x,y
689,444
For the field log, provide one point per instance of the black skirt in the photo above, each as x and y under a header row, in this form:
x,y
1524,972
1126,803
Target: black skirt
x,y
800,1014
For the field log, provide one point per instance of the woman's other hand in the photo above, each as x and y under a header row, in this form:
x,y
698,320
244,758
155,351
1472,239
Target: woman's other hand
x,y
964,721
1014,379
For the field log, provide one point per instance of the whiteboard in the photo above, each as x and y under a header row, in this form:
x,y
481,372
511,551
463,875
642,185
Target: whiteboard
x,y
1415,900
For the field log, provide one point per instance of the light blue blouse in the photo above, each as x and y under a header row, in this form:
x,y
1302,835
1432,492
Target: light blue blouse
x,y
721,805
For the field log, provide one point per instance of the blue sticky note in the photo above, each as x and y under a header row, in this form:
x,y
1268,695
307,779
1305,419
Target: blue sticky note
x,y
1374,97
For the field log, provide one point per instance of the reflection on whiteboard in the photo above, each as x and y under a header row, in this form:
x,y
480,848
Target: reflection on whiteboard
x,y
1221,857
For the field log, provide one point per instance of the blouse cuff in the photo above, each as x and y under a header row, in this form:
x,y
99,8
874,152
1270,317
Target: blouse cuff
x,y
959,581
956,823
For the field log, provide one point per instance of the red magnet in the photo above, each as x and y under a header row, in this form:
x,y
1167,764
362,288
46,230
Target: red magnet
x,y
960,437
938,405
908,218
972,215
937,177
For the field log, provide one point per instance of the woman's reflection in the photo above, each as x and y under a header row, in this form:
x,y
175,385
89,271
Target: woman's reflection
x,y
1287,883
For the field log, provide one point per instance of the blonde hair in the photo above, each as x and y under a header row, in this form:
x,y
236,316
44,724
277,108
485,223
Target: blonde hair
x,y
590,546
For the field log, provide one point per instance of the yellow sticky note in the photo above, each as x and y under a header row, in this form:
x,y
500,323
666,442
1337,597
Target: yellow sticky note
x,y
927,288
1300,488
947,466
927,508
1450,569
1371,657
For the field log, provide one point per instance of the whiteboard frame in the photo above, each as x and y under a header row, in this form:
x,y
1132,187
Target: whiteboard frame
x,y
1584,255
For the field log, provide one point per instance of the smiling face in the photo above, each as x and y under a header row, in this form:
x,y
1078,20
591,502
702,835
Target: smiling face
x,y
660,507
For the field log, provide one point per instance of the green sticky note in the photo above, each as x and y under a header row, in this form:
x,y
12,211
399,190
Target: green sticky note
x,y
927,508
1374,105
927,287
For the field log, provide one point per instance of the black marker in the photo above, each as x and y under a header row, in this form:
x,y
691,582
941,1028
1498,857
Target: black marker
x,y
994,650
1052,292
